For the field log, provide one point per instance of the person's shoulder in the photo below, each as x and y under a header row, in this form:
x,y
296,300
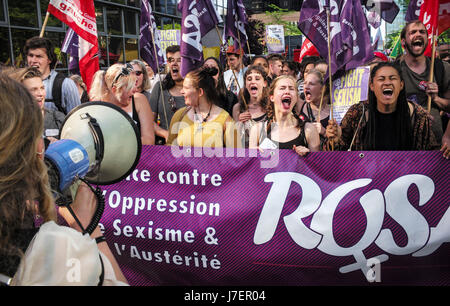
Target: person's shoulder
x,y
418,110
180,113
69,84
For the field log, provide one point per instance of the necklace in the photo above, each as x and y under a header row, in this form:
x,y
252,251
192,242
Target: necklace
x,y
200,120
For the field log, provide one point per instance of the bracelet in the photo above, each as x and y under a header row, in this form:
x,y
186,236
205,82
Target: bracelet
x,y
100,239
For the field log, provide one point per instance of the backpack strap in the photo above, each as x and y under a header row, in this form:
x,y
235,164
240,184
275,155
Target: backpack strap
x,y
57,92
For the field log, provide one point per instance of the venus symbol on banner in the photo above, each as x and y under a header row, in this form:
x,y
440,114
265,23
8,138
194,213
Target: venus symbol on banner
x,y
421,239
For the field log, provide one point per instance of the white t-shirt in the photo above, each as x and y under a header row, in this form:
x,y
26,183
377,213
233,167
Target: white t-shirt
x,y
62,256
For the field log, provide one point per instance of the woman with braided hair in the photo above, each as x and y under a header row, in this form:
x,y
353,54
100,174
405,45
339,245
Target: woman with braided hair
x,y
284,129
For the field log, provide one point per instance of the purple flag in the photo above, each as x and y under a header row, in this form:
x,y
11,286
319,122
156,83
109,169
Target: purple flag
x,y
236,20
413,11
350,37
148,35
325,219
70,46
198,17
360,33
387,9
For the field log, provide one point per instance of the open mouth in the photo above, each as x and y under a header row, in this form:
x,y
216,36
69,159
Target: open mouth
x,y
388,92
417,43
175,70
253,89
286,102
307,94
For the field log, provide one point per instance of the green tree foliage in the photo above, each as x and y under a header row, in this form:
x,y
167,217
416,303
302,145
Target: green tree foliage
x,y
277,15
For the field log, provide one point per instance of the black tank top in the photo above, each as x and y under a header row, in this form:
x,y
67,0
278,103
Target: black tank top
x,y
300,140
135,115
309,117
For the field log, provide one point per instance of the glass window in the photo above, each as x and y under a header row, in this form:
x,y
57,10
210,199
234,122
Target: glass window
x,y
5,56
160,6
23,13
57,39
158,20
118,1
52,20
19,38
130,22
115,50
131,49
99,18
2,11
103,60
171,7
114,19
136,3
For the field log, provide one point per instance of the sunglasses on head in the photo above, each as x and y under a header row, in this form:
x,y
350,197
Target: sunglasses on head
x,y
124,72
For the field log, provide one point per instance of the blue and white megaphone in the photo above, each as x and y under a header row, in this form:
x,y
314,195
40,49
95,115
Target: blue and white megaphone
x,y
99,143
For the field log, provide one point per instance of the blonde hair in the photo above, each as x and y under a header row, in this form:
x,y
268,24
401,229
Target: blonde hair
x,y
23,175
270,110
103,82
22,74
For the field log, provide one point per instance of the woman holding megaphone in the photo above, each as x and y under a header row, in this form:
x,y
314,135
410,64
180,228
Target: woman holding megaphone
x,y
51,254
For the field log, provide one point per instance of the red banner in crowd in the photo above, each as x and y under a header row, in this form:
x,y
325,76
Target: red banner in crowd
x,y
80,16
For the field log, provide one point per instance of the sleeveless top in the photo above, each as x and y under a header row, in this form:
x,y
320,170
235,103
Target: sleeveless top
x,y
134,115
300,140
310,117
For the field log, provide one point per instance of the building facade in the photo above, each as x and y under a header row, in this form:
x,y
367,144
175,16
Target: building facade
x,y
117,25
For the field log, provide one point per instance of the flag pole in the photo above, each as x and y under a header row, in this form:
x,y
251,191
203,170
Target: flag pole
x,y
160,84
47,15
320,105
433,55
329,68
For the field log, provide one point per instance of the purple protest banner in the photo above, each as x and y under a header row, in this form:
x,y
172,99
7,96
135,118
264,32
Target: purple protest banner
x,y
330,218
198,18
70,46
413,11
349,34
149,38
387,9
235,22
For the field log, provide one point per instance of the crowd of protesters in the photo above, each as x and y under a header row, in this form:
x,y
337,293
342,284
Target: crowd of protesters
x,y
243,92
273,103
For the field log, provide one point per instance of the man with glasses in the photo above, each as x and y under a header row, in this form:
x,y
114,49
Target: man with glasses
x,y
166,104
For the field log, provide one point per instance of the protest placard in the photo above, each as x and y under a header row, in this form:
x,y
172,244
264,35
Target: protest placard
x,y
275,39
350,89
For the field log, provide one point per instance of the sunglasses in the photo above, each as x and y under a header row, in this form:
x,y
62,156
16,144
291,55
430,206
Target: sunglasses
x,y
127,70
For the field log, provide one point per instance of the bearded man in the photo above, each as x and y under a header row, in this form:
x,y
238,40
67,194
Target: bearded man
x,y
416,70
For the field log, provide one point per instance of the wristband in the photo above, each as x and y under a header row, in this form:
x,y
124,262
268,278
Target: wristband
x,y
100,239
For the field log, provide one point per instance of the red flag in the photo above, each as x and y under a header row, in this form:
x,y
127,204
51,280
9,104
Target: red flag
x,y
80,16
429,12
308,49
444,16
